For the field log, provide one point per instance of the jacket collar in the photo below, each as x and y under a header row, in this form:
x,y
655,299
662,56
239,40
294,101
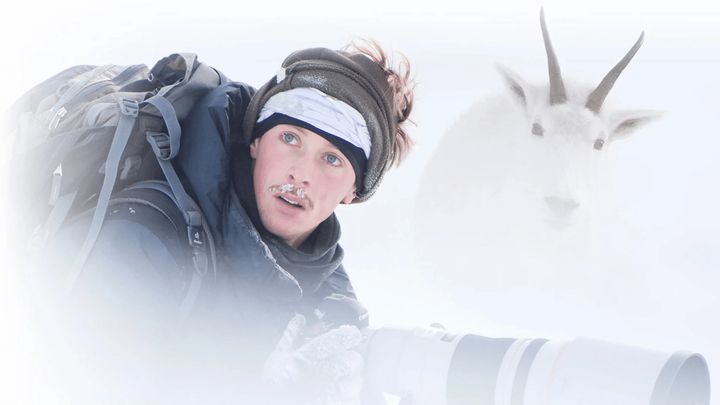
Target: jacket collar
x,y
273,264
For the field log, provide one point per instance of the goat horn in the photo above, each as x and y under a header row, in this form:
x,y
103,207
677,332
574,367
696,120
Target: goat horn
x,y
597,97
557,88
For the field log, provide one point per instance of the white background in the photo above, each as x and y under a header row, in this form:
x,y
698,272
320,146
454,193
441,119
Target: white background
x,y
666,176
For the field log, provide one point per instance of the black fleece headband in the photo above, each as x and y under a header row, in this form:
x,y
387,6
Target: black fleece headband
x,y
354,79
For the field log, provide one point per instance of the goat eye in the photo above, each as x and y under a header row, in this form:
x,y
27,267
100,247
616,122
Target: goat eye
x,y
537,129
599,143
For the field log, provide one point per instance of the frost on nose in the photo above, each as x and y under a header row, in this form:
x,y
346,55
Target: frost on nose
x,y
561,207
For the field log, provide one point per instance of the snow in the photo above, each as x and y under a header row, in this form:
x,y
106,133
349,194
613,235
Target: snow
x,y
650,277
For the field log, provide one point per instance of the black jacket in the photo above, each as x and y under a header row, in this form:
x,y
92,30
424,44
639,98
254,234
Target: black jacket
x,y
139,270
216,165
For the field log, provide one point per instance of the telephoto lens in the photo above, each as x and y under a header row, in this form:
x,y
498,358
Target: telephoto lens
x,y
434,367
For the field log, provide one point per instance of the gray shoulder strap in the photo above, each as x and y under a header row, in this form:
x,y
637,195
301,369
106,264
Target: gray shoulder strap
x,y
129,110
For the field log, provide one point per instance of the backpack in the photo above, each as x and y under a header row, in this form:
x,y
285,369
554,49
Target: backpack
x,y
90,131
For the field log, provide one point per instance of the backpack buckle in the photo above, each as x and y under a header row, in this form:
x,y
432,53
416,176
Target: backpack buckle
x,y
55,121
160,144
196,233
129,107
196,237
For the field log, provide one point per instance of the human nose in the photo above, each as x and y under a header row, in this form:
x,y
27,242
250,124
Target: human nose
x,y
300,173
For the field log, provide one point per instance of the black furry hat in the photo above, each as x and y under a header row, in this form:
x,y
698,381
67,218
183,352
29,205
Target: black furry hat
x,y
354,79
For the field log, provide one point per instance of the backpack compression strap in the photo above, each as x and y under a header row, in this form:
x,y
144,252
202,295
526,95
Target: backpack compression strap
x,y
165,147
129,111
198,274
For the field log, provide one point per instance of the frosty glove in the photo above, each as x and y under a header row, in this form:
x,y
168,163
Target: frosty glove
x,y
321,371
337,309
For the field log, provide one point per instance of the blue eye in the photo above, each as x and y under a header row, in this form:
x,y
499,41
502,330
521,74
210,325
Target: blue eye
x,y
332,160
289,138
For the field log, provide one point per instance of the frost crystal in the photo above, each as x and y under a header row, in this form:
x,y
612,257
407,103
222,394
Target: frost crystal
x,y
287,188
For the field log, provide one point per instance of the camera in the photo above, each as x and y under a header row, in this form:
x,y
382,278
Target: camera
x,y
432,366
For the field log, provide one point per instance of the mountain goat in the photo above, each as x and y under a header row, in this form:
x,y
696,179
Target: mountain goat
x,y
512,183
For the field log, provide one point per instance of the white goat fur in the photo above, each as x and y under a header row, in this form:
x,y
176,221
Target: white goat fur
x,y
495,196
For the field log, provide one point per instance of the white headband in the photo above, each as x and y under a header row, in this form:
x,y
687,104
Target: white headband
x,y
321,111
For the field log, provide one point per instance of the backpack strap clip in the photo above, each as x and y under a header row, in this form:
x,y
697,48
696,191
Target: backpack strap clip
x,y
129,107
196,238
160,144
196,234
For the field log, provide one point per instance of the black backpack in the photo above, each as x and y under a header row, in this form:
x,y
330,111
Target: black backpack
x,y
89,132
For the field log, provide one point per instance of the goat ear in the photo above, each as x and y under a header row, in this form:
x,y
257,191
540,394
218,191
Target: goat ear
x,y
623,123
515,83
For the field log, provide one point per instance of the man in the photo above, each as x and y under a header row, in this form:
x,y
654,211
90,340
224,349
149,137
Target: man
x,y
267,168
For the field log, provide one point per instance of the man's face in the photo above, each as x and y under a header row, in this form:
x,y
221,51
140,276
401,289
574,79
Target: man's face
x,y
287,154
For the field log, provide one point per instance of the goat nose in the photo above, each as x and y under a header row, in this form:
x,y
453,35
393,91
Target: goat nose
x,y
561,206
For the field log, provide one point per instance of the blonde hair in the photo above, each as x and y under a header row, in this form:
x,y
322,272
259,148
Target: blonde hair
x,y
402,86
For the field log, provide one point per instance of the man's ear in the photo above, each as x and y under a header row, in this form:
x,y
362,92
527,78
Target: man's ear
x,y
253,148
349,197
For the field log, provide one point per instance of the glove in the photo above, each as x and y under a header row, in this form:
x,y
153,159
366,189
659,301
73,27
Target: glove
x,y
337,309
322,371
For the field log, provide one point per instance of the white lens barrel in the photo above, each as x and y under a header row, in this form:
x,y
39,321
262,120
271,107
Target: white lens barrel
x,y
592,372
413,362
436,367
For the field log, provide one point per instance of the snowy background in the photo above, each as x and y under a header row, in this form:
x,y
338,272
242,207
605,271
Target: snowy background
x,y
661,272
